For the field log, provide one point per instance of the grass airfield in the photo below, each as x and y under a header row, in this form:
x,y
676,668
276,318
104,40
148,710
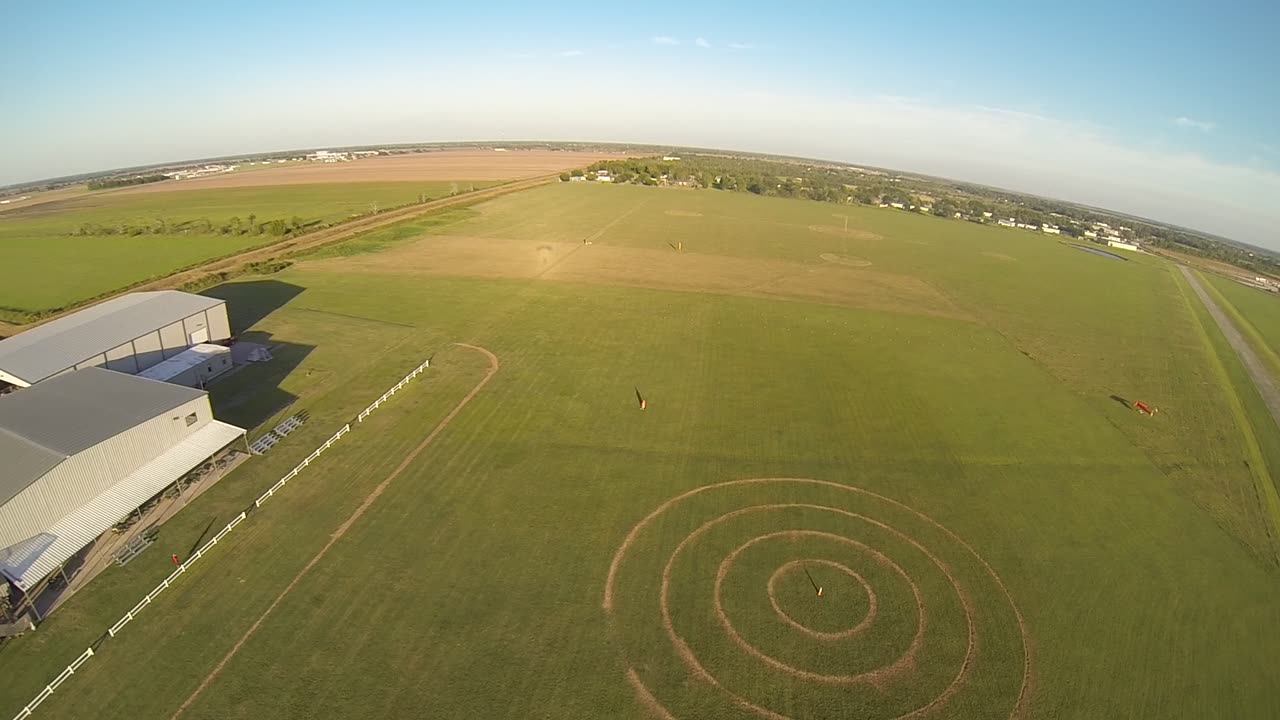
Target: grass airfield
x,y
929,414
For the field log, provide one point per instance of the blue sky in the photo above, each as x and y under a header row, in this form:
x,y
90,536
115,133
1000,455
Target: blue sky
x,y
1167,110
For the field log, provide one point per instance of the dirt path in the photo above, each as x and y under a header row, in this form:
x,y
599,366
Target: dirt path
x,y
343,528
1258,372
310,240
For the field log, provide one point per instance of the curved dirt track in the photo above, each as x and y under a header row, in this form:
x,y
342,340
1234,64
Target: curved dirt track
x,y
369,500
879,677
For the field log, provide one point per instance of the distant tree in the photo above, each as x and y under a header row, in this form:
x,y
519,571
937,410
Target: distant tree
x,y
297,224
277,227
237,225
564,177
253,224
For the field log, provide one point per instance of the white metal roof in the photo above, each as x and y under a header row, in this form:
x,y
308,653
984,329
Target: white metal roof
x,y
29,561
48,349
183,361
47,423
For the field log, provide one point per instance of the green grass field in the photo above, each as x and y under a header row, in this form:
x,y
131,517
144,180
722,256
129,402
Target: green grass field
x,y
44,236
934,411
1258,313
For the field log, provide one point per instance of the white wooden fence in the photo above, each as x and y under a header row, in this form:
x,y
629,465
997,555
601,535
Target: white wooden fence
x,y
385,396
164,585
294,472
48,689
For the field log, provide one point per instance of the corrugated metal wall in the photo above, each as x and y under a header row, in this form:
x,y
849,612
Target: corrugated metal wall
x,y
84,476
219,325
173,339
210,325
148,350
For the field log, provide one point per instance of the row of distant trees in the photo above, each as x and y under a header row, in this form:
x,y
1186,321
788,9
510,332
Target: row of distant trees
x,y
202,226
842,184
104,183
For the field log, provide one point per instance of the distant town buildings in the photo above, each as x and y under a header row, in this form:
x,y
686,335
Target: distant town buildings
x,y
325,156
200,172
1050,229
1120,244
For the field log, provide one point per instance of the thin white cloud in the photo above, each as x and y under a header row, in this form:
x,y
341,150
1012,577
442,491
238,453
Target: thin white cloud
x,y
1022,114
702,42
571,53
664,40
741,46
1201,125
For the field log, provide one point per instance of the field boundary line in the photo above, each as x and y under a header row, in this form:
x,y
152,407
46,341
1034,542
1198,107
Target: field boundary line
x,y
1258,469
129,616
288,246
1248,328
342,529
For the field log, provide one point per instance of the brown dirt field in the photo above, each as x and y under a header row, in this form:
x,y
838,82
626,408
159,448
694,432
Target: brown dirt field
x,y
848,260
441,165
289,246
39,198
656,269
683,213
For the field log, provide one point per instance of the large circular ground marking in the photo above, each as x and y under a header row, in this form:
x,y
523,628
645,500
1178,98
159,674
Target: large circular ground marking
x,y
898,670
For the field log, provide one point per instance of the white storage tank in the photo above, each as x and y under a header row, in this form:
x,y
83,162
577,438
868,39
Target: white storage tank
x,y
194,367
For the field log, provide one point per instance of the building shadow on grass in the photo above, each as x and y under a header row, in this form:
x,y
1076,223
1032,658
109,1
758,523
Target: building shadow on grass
x,y
249,301
251,393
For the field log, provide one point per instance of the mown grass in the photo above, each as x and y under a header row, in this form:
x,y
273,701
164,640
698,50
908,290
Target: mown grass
x,y
48,265
473,587
1255,311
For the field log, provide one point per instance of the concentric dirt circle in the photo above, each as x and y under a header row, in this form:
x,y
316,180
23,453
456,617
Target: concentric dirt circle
x,y
840,231
849,260
791,597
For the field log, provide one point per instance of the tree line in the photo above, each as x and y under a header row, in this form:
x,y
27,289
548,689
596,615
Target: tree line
x,y
828,182
201,226
104,183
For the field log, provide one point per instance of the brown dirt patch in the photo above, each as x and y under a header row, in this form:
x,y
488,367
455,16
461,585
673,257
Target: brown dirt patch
x,y
657,269
841,232
999,256
848,260
441,165
683,213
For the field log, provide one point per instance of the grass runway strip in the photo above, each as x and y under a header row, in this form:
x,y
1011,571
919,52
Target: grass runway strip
x,y
346,525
